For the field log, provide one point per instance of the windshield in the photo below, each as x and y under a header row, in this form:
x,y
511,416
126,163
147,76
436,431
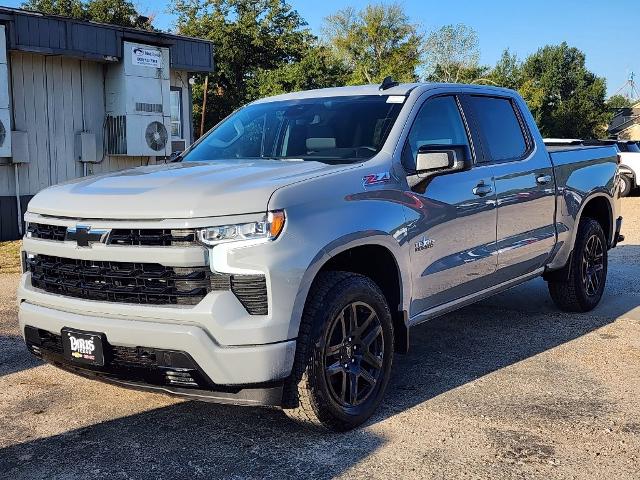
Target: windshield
x,y
330,130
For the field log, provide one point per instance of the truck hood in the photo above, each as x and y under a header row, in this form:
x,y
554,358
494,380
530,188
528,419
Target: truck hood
x,y
177,190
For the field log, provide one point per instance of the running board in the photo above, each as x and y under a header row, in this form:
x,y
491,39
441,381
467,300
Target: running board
x,y
473,298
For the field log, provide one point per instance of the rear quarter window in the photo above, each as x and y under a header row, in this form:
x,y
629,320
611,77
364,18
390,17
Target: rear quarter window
x,y
501,128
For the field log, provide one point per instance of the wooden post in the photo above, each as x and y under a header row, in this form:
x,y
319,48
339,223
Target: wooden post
x,y
204,104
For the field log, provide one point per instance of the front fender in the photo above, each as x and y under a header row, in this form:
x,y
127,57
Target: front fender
x,y
329,215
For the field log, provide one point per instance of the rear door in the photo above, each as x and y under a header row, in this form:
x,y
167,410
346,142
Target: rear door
x,y
524,182
451,221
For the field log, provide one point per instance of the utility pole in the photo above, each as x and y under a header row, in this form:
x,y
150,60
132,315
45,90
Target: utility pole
x,y
204,104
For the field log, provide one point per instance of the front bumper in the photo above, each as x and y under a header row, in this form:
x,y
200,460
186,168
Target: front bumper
x,y
241,367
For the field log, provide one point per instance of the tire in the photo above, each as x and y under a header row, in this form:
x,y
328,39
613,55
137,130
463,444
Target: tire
x,y
334,354
626,185
580,287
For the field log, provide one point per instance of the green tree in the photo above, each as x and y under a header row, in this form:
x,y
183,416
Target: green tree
x,y
375,42
507,72
566,99
451,52
318,68
114,12
117,12
619,101
460,74
249,37
66,8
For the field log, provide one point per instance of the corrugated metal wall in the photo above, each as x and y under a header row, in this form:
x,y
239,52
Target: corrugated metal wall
x,y
53,99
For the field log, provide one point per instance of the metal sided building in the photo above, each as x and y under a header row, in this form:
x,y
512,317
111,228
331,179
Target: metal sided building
x,y
80,98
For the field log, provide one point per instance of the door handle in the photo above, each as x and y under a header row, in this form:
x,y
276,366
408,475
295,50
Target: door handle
x,y
482,189
543,179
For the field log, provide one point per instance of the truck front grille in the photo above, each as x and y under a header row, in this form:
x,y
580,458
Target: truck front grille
x,y
47,232
146,237
143,283
152,237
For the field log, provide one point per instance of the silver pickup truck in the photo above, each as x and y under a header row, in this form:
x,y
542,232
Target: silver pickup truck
x,y
283,259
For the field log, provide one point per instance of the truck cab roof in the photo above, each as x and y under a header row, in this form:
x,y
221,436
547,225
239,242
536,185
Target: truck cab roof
x,y
401,89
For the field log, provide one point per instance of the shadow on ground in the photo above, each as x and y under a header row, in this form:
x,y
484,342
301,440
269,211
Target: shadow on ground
x,y
14,356
205,440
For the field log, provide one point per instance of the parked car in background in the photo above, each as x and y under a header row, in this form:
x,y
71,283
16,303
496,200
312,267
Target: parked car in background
x,y
284,257
629,166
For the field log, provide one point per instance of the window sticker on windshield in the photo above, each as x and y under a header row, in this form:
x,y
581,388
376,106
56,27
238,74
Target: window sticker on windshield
x,y
395,99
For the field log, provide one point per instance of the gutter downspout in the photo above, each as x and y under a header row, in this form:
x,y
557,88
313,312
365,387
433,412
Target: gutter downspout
x,y
15,166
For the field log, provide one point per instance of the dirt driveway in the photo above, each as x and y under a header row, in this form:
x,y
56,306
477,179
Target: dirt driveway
x,y
508,388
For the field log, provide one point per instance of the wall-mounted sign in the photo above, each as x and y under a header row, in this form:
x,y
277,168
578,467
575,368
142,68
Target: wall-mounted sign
x,y
146,57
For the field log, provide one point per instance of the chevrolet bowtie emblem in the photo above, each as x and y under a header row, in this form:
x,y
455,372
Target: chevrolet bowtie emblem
x,y
84,235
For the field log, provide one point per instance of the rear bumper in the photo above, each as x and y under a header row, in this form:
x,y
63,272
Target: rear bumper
x,y
238,367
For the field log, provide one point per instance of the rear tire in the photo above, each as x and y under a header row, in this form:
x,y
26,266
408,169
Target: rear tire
x,y
580,287
344,353
626,185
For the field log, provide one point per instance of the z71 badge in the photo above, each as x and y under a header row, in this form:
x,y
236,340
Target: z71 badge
x,y
376,179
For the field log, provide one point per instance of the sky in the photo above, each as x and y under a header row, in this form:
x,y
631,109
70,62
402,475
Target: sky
x,y
608,31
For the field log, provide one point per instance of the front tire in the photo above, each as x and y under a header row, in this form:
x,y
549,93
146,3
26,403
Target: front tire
x,y
580,287
344,353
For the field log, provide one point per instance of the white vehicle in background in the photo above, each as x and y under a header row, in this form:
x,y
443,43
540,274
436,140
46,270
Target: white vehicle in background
x,y
628,153
629,166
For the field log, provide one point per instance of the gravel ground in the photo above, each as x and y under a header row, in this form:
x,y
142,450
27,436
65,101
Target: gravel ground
x,y
507,388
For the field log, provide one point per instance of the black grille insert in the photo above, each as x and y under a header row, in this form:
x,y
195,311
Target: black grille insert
x,y
143,283
251,290
148,237
152,237
46,232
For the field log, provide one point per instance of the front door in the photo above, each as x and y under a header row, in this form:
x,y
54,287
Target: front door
x,y
452,220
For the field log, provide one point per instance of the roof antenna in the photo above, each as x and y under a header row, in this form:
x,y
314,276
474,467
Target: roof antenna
x,y
387,83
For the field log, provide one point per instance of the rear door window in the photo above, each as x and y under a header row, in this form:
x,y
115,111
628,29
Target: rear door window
x,y
502,130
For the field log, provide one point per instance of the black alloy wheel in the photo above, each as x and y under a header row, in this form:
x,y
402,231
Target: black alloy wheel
x,y
593,265
354,354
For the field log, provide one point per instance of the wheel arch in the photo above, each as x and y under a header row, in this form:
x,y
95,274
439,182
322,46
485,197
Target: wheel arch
x,y
598,207
376,256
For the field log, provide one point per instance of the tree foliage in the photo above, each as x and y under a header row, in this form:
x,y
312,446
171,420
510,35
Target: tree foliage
x,y
619,101
250,37
114,12
375,42
450,52
566,99
507,72
66,8
318,68
117,12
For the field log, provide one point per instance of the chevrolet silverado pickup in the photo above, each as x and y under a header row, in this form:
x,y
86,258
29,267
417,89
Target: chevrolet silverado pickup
x,y
284,257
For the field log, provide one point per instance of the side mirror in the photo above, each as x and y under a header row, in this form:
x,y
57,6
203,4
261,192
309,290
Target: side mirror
x,y
441,158
432,161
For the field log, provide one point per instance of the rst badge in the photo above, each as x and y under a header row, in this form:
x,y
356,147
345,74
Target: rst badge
x,y
376,179
424,244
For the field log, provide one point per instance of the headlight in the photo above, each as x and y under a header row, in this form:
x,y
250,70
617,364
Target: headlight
x,y
269,229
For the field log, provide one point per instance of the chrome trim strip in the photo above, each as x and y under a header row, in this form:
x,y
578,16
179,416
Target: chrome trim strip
x,y
469,299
